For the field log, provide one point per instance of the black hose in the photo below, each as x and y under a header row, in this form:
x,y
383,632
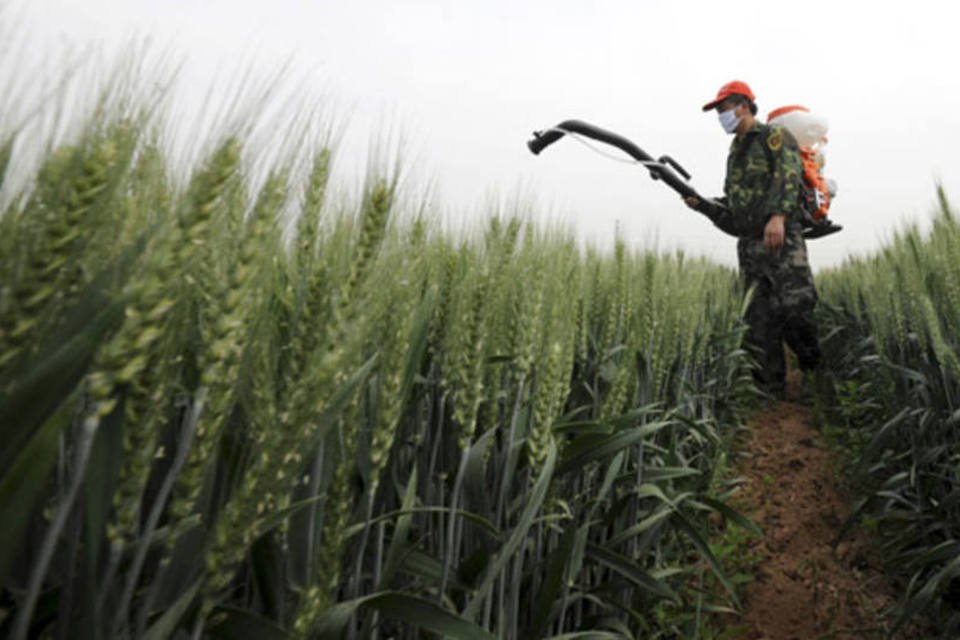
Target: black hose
x,y
658,170
662,169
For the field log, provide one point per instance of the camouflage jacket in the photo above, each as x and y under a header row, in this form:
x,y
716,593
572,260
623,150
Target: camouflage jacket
x,y
763,178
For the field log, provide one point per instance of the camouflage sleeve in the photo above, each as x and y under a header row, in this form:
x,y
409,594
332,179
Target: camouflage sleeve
x,y
783,192
718,212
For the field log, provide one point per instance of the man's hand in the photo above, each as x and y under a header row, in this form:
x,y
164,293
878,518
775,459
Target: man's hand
x,y
773,234
692,202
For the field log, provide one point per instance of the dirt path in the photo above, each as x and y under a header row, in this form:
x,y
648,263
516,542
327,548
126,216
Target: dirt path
x,y
804,589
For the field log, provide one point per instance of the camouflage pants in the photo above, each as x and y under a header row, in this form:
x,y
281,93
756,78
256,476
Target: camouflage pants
x,y
781,309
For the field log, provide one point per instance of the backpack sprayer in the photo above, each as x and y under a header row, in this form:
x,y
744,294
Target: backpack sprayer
x,y
664,168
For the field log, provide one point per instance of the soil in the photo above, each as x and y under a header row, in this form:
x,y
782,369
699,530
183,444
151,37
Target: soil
x,y
805,587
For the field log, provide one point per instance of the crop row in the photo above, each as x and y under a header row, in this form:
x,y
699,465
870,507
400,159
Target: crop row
x,y
892,331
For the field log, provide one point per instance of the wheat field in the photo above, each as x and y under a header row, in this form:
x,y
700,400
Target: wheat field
x,y
236,405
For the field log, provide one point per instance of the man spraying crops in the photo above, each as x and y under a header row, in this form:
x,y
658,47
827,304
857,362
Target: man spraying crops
x,y
763,201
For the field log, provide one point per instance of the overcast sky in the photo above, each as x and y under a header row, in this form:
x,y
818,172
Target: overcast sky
x,y
467,81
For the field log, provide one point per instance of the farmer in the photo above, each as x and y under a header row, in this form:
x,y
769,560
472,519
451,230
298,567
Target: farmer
x,y
762,194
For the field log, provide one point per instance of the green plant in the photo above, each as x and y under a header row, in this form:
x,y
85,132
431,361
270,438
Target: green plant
x,y
371,427
891,321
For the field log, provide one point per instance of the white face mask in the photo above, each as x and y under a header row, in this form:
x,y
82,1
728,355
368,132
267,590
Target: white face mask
x,y
729,120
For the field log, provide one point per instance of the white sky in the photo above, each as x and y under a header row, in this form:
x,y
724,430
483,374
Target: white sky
x,y
468,81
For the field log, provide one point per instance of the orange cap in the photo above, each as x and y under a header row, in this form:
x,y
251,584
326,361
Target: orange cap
x,y
735,87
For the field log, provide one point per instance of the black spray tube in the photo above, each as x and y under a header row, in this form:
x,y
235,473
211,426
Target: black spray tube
x,y
665,169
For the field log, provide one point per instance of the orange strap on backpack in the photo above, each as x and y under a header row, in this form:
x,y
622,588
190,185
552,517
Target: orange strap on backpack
x,y
812,175
816,181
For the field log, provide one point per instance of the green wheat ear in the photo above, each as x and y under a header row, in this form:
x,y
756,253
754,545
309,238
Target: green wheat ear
x,y
67,187
308,225
373,226
549,398
223,319
135,361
